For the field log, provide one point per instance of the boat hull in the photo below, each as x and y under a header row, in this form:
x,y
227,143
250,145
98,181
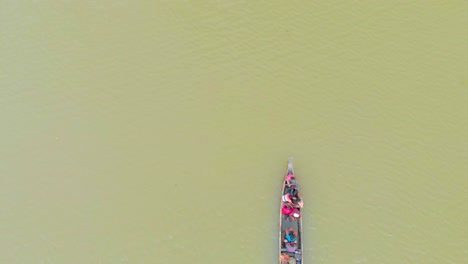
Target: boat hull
x,y
288,253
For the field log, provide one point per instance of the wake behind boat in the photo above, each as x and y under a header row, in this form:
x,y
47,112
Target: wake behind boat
x,y
290,235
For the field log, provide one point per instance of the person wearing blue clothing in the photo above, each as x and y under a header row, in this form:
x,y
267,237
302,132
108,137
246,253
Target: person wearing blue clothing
x,y
290,236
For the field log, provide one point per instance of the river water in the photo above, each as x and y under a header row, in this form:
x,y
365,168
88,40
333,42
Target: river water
x,y
159,132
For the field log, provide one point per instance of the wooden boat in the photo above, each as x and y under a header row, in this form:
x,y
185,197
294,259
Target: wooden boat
x,y
290,234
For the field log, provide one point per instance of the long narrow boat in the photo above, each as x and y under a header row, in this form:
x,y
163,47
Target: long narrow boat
x,y
290,234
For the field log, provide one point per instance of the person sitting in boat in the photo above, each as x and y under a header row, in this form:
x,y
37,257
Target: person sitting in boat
x,y
290,193
290,240
290,236
293,198
290,212
287,210
297,202
291,181
284,259
291,247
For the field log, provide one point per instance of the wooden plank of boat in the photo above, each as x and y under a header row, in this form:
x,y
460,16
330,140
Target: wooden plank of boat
x,y
290,231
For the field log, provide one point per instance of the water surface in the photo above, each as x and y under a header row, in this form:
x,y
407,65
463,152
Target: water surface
x,y
159,133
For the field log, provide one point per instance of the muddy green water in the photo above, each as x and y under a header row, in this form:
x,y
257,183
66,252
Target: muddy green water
x,y
137,132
